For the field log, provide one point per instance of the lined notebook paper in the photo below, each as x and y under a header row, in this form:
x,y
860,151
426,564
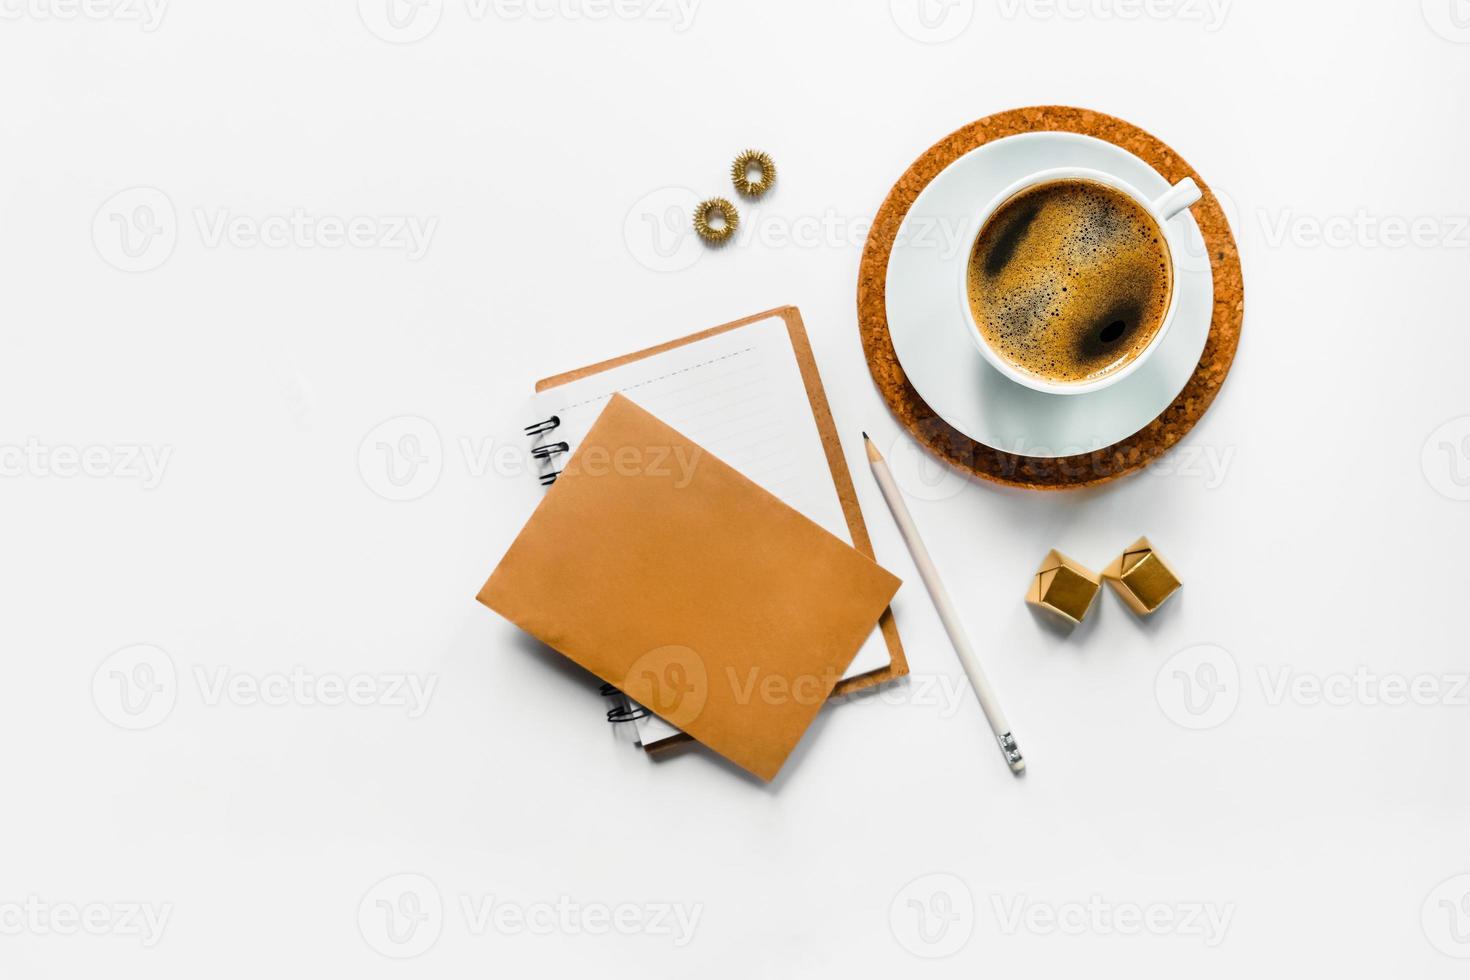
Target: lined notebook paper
x,y
740,395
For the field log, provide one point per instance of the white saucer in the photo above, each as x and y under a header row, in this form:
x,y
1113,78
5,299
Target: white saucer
x,y
926,322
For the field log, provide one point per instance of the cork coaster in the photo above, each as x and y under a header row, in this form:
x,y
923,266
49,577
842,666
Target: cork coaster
x,y
1064,472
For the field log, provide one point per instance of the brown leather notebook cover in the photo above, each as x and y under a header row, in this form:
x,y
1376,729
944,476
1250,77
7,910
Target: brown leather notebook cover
x,y
841,478
690,588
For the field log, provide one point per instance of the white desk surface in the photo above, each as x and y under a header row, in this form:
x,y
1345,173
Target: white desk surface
x,y
336,232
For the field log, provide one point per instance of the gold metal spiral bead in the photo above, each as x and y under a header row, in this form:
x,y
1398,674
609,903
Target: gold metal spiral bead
x,y
716,234
740,173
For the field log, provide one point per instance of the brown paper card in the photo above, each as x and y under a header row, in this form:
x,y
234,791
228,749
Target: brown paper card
x,y
698,594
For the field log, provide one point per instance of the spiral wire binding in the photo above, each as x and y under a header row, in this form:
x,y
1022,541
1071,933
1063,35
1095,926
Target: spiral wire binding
x,y
545,425
550,449
625,711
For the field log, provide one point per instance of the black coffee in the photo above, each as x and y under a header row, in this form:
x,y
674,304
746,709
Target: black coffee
x,y
1070,280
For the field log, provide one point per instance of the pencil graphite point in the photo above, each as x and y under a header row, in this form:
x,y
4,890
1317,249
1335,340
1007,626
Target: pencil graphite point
x,y
873,455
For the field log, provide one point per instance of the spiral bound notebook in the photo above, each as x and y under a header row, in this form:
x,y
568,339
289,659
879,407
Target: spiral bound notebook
x,y
666,572
749,393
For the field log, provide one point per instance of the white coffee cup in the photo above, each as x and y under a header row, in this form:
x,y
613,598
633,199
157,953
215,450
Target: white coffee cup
x,y
1168,204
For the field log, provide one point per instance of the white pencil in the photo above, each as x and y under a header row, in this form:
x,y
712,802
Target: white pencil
x,y
947,615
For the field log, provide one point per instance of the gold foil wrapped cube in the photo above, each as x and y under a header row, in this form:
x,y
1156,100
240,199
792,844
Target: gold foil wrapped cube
x,y
1063,587
1141,578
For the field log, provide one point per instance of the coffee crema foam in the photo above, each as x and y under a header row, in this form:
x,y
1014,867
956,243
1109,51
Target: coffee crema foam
x,y
1070,280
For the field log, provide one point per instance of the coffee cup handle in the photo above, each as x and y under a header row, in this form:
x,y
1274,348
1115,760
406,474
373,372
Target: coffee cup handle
x,y
1177,198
